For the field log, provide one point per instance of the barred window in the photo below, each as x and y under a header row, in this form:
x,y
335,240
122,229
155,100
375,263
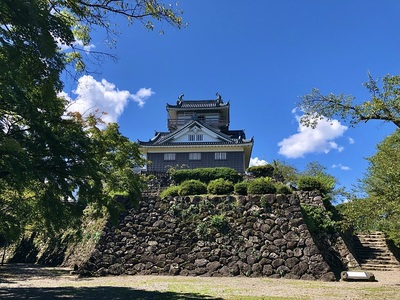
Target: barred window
x,y
220,155
169,156
194,156
195,137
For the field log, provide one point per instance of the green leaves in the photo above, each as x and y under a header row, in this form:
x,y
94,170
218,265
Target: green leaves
x,y
53,165
381,209
384,104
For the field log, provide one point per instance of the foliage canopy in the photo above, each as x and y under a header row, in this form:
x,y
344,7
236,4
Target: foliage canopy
x,y
381,209
383,105
52,164
206,174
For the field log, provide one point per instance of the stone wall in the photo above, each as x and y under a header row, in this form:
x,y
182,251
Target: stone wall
x,y
335,249
210,236
310,198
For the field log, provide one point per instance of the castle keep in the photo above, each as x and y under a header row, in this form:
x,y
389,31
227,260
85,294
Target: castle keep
x,y
198,136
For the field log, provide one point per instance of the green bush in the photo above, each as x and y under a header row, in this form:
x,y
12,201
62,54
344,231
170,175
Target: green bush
x,y
261,171
219,222
220,187
226,173
205,174
171,191
192,187
151,177
202,230
261,186
317,219
241,188
309,183
283,189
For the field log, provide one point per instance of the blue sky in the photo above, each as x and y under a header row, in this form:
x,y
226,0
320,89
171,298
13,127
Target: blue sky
x,y
261,56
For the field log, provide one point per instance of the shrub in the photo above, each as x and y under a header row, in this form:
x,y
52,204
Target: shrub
x,y
241,188
317,219
261,186
309,183
201,230
219,222
171,191
283,189
192,187
150,177
226,173
220,187
205,174
261,171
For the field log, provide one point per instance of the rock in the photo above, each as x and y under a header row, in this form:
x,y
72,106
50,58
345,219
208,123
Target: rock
x,y
330,276
174,269
213,266
291,262
202,262
116,269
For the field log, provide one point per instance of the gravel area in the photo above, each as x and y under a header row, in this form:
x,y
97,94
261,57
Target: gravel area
x,y
22,281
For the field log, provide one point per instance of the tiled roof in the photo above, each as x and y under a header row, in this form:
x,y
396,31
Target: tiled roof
x,y
194,143
228,137
198,104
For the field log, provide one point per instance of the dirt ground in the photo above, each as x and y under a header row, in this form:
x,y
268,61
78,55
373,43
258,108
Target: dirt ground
x,y
22,281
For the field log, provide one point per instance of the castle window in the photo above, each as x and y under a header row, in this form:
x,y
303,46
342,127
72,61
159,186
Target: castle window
x,y
220,155
169,156
194,156
195,137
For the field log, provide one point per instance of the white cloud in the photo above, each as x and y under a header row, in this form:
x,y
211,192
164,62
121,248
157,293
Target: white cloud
x,y
257,162
351,141
76,43
309,140
341,167
103,96
141,95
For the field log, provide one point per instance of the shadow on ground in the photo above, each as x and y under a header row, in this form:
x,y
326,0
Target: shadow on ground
x,y
93,293
14,273
10,273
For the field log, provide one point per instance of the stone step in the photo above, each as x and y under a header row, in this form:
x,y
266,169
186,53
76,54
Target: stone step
x,y
378,268
380,265
372,252
369,242
372,247
372,233
380,261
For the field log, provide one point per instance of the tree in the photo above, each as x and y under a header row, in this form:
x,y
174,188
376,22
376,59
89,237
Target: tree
x,y
284,172
318,171
381,209
382,184
53,164
384,104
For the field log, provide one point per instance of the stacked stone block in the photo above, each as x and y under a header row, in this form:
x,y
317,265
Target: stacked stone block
x,y
261,235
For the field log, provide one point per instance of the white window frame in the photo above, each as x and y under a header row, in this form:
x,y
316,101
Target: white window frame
x,y
195,156
199,137
169,156
220,155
